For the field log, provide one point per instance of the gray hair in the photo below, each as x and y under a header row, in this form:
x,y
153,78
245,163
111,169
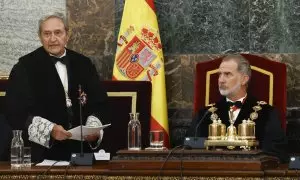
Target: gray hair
x,y
53,15
243,63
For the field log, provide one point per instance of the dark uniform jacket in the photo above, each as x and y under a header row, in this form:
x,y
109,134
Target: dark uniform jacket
x,y
35,89
5,139
268,131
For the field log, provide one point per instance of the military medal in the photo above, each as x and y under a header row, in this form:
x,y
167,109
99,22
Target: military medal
x,y
253,115
257,108
68,100
213,116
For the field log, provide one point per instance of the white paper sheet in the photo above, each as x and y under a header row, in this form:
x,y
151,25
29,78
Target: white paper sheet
x,y
86,130
48,162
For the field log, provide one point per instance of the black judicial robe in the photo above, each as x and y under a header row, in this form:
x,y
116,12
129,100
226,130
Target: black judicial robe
x,y
35,89
5,139
271,136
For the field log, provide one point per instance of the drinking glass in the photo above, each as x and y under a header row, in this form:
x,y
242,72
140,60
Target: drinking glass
x,y
27,157
157,139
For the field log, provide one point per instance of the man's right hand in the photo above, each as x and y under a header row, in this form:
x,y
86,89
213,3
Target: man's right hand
x,y
59,133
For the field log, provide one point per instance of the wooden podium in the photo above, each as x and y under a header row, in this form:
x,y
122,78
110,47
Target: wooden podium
x,y
166,165
193,160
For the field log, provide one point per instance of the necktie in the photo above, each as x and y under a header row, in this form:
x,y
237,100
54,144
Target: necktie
x,y
56,59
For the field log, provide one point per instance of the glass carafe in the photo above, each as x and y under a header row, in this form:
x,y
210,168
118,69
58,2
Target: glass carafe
x,y
16,150
134,132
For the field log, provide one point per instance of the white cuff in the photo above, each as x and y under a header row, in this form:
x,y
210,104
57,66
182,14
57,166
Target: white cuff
x,y
39,131
93,121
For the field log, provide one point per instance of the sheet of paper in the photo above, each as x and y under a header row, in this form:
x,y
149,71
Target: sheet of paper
x,y
86,130
48,162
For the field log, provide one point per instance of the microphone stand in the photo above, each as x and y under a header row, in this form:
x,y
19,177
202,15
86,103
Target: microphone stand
x,y
194,141
80,117
81,159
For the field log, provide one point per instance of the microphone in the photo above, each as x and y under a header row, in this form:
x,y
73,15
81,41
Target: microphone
x,y
203,117
197,142
82,159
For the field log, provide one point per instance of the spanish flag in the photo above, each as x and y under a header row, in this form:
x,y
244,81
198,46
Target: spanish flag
x,y
139,57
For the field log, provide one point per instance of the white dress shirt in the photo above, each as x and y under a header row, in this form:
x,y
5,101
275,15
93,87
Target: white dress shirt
x,y
237,111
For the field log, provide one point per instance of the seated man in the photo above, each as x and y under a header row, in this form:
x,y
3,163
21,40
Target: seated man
x,y
234,76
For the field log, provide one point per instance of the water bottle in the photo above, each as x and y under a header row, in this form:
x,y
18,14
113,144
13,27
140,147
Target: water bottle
x,y
134,132
16,150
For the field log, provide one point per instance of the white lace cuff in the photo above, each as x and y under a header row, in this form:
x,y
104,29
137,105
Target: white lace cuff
x,y
93,121
39,131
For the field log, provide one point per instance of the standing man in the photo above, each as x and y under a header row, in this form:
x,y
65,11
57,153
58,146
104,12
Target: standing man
x,y
234,76
43,91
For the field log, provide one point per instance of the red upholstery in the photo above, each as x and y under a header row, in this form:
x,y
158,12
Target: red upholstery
x,y
268,83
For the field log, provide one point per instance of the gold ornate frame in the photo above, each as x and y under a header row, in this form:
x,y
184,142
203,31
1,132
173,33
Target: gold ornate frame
x,y
133,96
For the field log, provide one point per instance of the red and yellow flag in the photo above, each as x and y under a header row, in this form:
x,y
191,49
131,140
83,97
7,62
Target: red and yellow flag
x,y
139,57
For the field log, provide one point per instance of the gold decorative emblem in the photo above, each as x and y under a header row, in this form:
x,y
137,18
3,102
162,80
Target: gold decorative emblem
x,y
253,116
256,108
213,109
214,117
261,102
212,104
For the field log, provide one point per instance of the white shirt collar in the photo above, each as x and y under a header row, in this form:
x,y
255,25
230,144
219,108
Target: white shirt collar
x,y
64,54
241,99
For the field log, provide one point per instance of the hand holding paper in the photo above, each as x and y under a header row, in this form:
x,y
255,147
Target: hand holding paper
x,y
59,133
86,130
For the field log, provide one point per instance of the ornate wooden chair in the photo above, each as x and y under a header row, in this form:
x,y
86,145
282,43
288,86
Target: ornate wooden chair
x,y
268,83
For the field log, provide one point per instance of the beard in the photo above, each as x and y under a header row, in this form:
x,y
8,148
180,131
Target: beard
x,y
229,92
